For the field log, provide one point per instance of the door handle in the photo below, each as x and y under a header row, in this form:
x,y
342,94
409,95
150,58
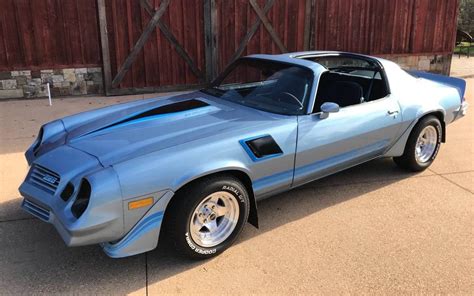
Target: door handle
x,y
392,112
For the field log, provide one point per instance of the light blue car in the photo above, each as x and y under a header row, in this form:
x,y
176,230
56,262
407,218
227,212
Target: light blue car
x,y
192,167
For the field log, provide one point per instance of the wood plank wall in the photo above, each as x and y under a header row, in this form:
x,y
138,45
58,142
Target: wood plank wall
x,y
45,34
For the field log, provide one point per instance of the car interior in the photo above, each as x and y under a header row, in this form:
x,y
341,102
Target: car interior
x,y
349,81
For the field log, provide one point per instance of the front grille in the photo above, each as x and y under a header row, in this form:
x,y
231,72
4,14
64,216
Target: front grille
x,y
35,210
44,179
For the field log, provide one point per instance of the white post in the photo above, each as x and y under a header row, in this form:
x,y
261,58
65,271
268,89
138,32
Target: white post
x,y
49,94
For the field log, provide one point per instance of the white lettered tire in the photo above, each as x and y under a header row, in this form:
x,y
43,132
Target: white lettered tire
x,y
207,216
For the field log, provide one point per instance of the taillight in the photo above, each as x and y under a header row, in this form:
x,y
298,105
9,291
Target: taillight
x,y
82,200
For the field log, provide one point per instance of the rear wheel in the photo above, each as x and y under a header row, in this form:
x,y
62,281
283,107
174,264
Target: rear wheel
x,y
422,145
208,216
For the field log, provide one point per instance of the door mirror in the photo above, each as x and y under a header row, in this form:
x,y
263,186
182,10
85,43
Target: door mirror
x,y
327,108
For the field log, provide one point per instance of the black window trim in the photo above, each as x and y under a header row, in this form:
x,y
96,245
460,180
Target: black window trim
x,y
342,54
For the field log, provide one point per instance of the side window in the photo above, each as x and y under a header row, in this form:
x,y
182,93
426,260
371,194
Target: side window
x,y
348,81
337,89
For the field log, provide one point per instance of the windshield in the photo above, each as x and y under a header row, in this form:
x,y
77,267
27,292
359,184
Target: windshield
x,y
265,85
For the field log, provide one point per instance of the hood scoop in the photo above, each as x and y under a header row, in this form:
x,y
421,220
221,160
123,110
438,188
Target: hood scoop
x,y
169,109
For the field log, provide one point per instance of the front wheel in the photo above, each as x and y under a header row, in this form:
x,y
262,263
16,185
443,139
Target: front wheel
x,y
208,216
422,145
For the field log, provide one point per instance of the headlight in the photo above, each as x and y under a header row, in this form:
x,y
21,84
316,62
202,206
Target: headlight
x,y
67,192
82,199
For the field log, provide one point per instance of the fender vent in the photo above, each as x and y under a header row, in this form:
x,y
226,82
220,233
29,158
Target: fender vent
x,y
261,147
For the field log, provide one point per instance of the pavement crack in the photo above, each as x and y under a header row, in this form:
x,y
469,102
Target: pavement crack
x,y
14,220
450,181
454,173
146,273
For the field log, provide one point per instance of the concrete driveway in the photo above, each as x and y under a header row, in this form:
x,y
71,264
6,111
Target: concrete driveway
x,y
371,229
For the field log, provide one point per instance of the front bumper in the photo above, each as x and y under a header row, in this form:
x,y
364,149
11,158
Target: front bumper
x,y
103,218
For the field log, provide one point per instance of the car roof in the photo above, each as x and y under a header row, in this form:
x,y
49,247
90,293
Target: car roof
x,y
287,58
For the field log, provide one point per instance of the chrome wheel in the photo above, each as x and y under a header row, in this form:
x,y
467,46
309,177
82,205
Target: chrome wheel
x,y
214,219
426,144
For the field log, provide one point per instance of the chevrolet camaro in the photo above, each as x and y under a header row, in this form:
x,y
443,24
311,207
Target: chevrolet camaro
x,y
192,167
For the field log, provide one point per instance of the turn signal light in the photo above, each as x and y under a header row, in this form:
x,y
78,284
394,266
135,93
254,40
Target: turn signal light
x,y
140,203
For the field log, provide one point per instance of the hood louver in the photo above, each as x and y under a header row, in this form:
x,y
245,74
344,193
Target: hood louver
x,y
162,110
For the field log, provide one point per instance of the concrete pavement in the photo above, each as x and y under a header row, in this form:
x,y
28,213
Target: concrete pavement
x,y
462,66
371,229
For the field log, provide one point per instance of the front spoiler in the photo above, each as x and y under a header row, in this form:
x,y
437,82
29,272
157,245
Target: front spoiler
x,y
144,235
48,216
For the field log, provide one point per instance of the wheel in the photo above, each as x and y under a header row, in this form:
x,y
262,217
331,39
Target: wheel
x,y
208,216
422,145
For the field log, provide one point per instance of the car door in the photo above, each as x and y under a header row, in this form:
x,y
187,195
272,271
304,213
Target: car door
x,y
346,138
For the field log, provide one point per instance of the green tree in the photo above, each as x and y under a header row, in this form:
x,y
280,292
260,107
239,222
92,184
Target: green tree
x,y
466,16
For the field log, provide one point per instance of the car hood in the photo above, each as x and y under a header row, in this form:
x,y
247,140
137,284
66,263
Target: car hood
x,y
129,130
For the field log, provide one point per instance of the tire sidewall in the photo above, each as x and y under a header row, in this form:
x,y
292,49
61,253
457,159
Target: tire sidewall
x,y
239,192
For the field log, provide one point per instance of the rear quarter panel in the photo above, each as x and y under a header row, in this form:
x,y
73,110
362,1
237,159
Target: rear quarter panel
x,y
418,97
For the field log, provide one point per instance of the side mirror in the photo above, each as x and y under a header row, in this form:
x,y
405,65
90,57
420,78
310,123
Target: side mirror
x,y
327,108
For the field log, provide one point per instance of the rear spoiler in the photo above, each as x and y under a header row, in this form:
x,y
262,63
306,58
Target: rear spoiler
x,y
457,83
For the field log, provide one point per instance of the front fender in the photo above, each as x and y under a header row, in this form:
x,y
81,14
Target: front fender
x,y
170,170
51,135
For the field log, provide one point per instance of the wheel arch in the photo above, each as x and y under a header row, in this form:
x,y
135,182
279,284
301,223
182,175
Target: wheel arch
x,y
438,114
234,172
399,147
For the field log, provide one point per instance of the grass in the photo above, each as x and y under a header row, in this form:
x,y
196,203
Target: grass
x,y
463,48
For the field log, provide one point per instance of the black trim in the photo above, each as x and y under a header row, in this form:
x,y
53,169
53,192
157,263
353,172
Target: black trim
x,y
171,108
349,55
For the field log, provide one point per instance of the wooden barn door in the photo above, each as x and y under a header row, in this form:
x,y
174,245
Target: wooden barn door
x,y
160,45
152,45
244,27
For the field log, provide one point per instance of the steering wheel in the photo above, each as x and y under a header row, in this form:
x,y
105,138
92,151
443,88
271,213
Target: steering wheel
x,y
292,96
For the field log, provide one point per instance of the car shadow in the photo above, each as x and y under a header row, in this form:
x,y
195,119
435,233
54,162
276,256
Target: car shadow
x,y
34,258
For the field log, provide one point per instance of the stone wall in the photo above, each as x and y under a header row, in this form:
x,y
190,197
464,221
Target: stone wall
x,y
62,82
440,64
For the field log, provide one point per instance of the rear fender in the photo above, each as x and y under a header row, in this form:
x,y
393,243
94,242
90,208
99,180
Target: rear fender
x,y
399,147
